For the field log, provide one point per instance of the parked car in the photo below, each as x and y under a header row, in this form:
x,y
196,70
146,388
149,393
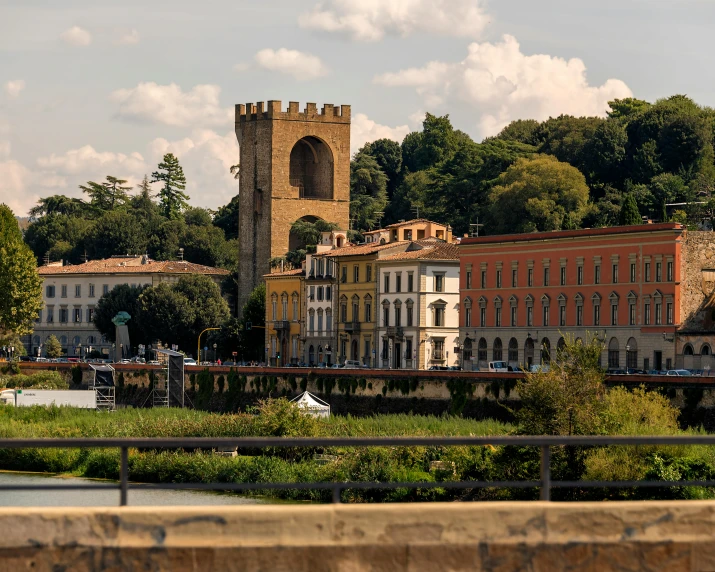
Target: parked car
x,y
153,362
336,366
497,366
352,364
439,368
679,372
189,361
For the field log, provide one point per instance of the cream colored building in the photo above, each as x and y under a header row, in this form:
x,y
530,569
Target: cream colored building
x,y
71,292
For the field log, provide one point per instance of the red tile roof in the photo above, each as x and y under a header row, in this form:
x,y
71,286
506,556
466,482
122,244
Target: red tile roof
x,y
359,249
131,265
432,251
293,272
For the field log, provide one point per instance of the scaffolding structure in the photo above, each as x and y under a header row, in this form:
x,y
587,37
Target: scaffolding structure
x,y
103,386
168,390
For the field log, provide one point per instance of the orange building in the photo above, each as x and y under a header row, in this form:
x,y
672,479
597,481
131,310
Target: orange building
x,y
629,285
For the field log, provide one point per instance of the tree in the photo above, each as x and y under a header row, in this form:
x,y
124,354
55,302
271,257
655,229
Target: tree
x,y
368,191
535,195
142,205
58,204
227,218
388,155
116,232
521,131
629,212
108,195
20,284
53,348
253,311
121,298
626,108
51,229
172,198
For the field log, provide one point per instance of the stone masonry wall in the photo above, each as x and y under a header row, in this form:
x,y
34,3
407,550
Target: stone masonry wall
x,y
698,254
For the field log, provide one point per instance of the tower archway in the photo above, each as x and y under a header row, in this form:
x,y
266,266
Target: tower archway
x,y
297,240
311,169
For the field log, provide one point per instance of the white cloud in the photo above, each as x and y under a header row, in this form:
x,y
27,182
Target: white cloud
x,y
76,36
241,67
14,87
87,160
127,37
15,190
168,104
370,20
301,65
502,84
364,130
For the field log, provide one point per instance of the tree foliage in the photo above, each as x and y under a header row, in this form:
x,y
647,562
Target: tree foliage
x,y
172,198
53,348
629,211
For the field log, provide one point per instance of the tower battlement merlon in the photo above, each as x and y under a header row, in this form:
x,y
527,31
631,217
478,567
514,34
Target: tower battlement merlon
x,y
273,110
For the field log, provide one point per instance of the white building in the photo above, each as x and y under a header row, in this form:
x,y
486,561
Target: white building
x,y
71,292
418,301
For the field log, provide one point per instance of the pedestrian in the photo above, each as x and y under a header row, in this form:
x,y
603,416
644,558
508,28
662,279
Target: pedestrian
x,y
219,361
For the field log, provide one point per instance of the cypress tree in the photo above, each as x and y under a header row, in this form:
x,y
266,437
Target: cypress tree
x,y
629,212
172,198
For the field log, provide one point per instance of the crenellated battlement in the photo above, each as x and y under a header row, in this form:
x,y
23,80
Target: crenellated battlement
x,y
272,110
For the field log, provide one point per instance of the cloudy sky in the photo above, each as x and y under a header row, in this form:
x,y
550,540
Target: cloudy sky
x,y
103,87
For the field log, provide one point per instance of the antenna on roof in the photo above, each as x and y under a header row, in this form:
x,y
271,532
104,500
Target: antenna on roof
x,y
474,228
416,209
378,217
46,259
181,254
85,257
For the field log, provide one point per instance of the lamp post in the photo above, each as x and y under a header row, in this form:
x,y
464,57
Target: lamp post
x,y
198,343
215,345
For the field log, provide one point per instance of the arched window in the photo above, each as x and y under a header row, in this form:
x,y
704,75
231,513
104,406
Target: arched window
x,y
545,351
467,355
497,350
482,350
632,353
311,355
529,352
311,169
513,355
705,350
613,353
688,350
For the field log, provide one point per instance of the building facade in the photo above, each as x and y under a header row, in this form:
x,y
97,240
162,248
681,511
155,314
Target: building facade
x,y
295,165
520,294
416,229
71,292
284,306
418,301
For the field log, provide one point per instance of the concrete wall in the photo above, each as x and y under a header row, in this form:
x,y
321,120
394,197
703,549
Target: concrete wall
x,y
671,536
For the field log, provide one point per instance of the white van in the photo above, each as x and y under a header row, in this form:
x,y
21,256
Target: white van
x,y
352,364
498,366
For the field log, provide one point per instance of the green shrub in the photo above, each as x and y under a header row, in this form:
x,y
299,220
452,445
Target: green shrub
x,y
221,382
39,380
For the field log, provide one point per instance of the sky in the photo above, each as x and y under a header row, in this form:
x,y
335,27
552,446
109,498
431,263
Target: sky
x,y
100,87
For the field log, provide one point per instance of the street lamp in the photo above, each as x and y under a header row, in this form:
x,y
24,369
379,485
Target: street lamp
x,y
215,345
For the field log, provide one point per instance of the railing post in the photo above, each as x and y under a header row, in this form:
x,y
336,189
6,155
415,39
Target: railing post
x,y
336,495
545,473
124,477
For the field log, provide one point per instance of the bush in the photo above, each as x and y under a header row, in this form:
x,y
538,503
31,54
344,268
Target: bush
x,y
39,380
76,374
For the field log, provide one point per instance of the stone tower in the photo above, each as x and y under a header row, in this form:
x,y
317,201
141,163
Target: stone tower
x,y
294,165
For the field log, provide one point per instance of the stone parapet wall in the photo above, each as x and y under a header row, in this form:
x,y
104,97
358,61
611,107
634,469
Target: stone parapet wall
x,y
671,536
698,254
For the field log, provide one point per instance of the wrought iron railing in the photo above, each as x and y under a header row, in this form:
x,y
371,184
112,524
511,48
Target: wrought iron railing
x,y
544,443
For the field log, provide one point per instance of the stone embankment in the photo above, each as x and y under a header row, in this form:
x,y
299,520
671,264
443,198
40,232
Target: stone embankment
x,y
673,536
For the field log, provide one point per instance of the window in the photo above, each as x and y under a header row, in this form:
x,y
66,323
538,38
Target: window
x,y
439,349
563,276
91,290
633,271
647,271
614,314
669,270
90,315
356,273
631,314
385,316
529,315
562,315
105,289
482,317
597,275
284,308
366,351
579,275
545,315
579,315
384,353
368,311
398,315
658,271
514,277
50,292
320,321
408,349
63,315
328,293
513,316
329,321
77,315
468,316
410,315
386,283
64,290
468,280
368,273
484,278
50,314
497,317
614,273
311,322
344,312
320,293
658,313
411,280
646,314
38,319
669,313
398,281
344,275
78,291
356,311
295,306
530,277
597,315
439,316
546,276
311,294
498,278
439,282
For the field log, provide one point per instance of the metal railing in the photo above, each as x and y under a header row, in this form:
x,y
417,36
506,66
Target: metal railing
x,y
544,443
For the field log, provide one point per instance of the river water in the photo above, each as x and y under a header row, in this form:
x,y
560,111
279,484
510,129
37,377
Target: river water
x,y
104,497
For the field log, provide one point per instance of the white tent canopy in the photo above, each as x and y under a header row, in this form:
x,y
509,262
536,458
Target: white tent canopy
x,y
313,405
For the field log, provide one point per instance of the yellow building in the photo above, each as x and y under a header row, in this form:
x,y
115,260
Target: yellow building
x,y
355,298
416,229
284,303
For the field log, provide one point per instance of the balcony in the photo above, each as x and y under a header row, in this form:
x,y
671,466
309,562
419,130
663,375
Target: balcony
x,y
395,332
281,326
352,327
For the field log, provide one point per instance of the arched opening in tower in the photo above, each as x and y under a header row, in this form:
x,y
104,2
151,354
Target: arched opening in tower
x,y
298,239
311,169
